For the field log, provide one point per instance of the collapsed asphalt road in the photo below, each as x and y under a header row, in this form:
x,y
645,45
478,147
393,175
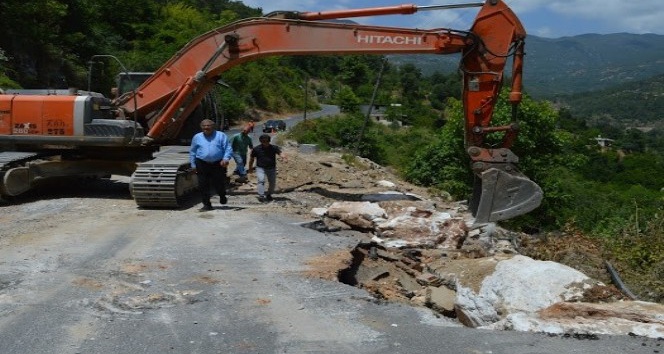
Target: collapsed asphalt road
x,y
93,274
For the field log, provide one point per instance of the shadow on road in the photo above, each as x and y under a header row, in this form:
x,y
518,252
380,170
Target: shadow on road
x,y
73,187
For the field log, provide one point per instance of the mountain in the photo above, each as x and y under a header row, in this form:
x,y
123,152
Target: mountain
x,y
568,65
590,62
634,104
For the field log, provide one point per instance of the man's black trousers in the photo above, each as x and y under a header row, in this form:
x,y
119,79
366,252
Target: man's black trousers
x,y
210,174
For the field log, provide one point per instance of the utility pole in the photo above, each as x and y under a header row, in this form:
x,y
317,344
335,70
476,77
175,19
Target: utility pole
x,y
306,96
373,99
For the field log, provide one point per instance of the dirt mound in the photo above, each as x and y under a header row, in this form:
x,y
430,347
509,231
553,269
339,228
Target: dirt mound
x,y
315,180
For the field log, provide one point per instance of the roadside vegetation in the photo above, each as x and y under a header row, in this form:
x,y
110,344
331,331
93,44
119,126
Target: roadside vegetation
x,y
609,196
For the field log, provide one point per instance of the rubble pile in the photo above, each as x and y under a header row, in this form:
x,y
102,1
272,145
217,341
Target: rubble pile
x,y
437,259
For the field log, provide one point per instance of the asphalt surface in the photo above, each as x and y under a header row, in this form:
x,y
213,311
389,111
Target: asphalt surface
x,y
95,274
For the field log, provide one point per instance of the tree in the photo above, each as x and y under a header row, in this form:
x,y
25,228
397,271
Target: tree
x,y
347,100
443,87
176,25
443,163
633,140
411,84
5,81
31,36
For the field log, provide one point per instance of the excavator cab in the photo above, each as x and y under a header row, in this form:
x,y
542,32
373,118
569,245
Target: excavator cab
x,y
129,81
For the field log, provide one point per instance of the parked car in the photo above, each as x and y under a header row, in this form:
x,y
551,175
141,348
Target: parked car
x,y
274,125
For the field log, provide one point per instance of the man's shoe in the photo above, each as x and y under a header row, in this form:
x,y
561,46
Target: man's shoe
x,y
205,208
268,197
223,200
261,199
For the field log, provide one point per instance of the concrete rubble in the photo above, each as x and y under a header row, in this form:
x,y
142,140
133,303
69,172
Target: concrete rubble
x,y
438,259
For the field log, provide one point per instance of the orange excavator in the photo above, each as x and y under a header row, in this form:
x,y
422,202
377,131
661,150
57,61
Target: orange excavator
x,y
49,134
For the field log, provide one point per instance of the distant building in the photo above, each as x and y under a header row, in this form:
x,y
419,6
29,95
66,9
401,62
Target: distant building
x,y
604,142
379,112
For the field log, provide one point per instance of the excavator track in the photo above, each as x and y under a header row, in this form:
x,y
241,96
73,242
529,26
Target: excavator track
x,y
8,157
10,183
165,180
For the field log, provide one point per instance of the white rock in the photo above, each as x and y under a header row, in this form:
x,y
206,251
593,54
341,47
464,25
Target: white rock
x,y
319,211
522,284
386,184
367,210
472,310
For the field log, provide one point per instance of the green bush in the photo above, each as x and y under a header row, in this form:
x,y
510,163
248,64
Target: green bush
x,y
385,145
636,247
7,83
341,132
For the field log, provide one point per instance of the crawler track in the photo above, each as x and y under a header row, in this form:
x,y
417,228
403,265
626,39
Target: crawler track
x,y
163,181
9,157
9,160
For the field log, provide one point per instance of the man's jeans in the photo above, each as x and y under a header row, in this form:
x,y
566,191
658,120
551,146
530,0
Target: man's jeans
x,y
261,174
240,160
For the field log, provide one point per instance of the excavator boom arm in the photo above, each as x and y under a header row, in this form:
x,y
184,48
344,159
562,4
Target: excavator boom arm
x,y
203,60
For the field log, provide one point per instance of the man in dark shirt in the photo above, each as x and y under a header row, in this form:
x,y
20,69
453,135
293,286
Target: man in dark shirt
x,y
265,155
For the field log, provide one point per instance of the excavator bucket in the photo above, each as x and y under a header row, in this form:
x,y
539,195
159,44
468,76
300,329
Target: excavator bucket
x,y
501,195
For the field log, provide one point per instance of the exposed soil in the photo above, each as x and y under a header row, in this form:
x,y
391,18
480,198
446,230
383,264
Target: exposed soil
x,y
314,180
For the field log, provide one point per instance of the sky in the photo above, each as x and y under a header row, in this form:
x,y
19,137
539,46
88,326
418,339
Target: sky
x,y
544,18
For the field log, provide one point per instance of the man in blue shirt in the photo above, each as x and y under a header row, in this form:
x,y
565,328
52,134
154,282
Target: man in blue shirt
x,y
209,155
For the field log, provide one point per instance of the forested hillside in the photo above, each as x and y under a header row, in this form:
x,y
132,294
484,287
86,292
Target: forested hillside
x,y
591,62
633,104
570,65
47,44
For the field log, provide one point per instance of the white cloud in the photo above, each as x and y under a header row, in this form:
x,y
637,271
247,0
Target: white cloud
x,y
544,31
635,16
